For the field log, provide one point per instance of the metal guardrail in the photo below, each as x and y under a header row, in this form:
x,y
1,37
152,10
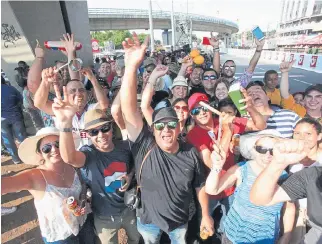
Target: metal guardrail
x,y
138,13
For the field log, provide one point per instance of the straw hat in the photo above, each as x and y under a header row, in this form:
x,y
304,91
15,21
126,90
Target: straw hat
x,y
96,117
28,148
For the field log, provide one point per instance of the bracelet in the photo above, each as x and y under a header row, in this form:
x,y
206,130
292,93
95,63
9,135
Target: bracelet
x,y
40,57
216,49
259,51
216,170
66,130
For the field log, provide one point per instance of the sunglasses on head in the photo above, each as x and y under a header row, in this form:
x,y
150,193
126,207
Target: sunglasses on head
x,y
184,108
210,77
197,110
161,125
104,129
263,150
47,147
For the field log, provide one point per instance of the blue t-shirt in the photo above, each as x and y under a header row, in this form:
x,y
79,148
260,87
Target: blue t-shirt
x,y
11,101
102,172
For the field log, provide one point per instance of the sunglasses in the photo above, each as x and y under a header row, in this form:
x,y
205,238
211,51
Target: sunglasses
x,y
210,77
103,129
184,108
161,125
263,150
197,110
47,147
229,67
79,90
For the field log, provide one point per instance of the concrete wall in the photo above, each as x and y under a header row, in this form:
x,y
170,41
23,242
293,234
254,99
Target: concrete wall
x,y
42,20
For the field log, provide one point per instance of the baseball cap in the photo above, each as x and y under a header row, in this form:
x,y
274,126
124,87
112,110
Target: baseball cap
x,y
196,98
248,141
149,61
317,87
96,117
179,81
174,68
164,113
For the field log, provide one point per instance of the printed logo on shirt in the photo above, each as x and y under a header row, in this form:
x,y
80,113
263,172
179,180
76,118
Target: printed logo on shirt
x,y
112,176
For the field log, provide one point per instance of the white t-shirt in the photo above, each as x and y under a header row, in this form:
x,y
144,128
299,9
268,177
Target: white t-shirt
x,y
80,137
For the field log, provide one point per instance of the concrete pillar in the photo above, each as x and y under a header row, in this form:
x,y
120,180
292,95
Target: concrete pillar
x,y
45,21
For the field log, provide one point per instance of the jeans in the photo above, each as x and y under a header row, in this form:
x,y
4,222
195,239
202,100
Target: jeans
x,y
152,233
11,131
35,118
225,205
107,227
85,236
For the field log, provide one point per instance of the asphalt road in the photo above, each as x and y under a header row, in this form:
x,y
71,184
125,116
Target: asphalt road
x,y
299,79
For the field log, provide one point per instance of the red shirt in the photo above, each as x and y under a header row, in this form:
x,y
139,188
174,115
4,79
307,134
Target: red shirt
x,y
199,138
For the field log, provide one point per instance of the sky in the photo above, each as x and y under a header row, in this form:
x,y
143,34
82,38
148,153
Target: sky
x,y
246,13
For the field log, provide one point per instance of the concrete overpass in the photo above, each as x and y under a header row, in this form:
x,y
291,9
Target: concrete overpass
x,y
101,19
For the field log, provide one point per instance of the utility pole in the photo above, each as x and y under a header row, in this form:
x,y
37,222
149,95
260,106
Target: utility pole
x,y
151,26
173,29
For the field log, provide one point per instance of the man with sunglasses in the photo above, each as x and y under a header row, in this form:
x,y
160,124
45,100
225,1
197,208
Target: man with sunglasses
x,y
200,138
105,166
229,67
171,170
209,80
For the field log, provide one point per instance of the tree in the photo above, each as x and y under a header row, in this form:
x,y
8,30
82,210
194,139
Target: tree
x,y
116,36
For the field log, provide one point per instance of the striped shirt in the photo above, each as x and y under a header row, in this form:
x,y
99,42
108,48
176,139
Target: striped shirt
x,y
283,121
248,223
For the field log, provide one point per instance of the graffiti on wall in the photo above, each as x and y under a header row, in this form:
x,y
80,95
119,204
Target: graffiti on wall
x,y
9,35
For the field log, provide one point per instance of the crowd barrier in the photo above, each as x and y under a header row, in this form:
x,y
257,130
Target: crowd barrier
x,y
310,62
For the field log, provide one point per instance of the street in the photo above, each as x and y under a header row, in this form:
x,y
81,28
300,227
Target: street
x,y
299,79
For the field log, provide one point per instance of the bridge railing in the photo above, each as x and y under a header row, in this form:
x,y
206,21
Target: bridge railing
x,y
139,13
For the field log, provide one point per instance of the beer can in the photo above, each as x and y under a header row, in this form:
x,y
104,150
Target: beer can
x,y
71,203
204,234
77,211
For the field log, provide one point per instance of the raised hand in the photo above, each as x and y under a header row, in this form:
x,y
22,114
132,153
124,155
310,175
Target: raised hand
x,y
88,73
260,44
69,44
134,51
49,76
218,156
187,62
62,108
289,151
39,51
159,71
247,99
214,42
286,66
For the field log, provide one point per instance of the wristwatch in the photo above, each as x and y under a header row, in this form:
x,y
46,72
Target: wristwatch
x,y
66,129
258,51
216,49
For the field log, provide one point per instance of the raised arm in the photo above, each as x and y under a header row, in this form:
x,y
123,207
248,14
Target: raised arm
x,y
286,152
116,112
41,97
257,121
253,62
64,112
215,183
34,74
188,62
101,97
148,91
288,214
134,55
215,45
70,47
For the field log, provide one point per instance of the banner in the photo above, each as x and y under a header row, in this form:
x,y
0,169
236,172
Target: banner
x,y
314,60
95,46
301,60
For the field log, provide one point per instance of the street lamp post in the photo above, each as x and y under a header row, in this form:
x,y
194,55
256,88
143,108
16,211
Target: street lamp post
x,y
151,26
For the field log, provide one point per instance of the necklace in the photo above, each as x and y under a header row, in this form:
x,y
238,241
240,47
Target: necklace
x,y
61,175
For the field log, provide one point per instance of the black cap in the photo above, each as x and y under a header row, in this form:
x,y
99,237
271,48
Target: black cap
x,y
317,87
164,113
255,83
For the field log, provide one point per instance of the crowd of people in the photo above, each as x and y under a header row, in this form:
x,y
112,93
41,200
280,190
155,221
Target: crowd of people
x,y
152,143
